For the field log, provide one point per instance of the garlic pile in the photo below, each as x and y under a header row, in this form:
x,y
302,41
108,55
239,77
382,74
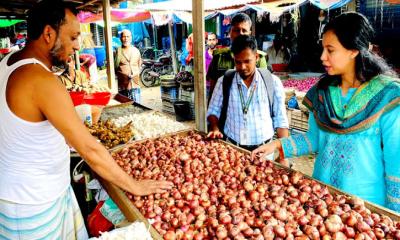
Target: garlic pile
x,y
88,88
135,231
150,124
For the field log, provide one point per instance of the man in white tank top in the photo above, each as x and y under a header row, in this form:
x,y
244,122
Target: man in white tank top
x,y
38,118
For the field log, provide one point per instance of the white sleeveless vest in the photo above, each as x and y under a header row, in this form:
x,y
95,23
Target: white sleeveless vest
x,y
34,157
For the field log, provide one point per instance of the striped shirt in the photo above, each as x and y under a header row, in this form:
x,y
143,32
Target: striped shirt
x,y
260,126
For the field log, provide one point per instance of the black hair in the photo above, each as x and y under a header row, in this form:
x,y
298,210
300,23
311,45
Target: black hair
x,y
47,12
242,42
354,31
239,18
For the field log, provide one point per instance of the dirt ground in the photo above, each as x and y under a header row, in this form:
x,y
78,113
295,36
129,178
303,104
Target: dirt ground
x,y
151,97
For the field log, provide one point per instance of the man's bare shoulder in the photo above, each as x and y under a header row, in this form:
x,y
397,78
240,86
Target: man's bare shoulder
x,y
32,74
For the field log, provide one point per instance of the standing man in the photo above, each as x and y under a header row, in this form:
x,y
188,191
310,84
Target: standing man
x,y
278,53
37,120
223,58
127,66
211,44
248,104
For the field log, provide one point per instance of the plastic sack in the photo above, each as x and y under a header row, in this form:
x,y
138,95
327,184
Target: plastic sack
x,y
292,103
97,223
111,212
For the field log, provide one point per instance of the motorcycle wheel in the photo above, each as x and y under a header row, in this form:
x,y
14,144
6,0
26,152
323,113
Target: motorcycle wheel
x,y
146,78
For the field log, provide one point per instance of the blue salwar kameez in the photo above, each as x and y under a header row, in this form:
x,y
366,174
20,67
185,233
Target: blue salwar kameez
x,y
356,138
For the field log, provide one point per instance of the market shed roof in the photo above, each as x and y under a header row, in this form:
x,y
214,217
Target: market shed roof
x,y
19,8
209,5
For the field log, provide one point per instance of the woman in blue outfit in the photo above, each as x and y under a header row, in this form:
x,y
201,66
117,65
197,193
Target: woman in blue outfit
x,y
354,122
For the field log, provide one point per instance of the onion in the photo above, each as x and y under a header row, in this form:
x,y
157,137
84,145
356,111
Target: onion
x,y
333,224
169,235
254,196
280,231
221,232
248,186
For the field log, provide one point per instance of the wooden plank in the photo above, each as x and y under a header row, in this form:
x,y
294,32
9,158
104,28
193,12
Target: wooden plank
x,y
199,66
86,4
131,213
109,51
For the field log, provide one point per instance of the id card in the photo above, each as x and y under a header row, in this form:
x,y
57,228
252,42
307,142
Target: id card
x,y
244,136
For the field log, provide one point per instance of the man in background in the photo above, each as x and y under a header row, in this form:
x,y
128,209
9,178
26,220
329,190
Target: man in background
x,y
211,44
127,66
223,58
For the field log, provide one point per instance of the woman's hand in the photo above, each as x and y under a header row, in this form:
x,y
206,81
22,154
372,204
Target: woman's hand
x,y
266,149
147,187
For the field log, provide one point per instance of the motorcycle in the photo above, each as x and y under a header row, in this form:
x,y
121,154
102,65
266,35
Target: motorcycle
x,y
153,69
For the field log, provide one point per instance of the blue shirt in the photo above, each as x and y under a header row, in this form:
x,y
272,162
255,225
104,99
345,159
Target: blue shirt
x,y
260,126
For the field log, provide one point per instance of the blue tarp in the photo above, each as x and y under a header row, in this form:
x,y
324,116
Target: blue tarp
x,y
138,29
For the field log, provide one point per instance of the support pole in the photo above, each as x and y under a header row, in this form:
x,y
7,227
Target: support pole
x,y
199,66
173,51
109,51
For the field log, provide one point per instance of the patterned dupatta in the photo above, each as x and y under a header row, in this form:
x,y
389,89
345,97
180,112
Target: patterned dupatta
x,y
369,102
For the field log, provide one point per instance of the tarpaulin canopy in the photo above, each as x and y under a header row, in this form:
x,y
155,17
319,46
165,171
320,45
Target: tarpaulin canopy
x,y
117,15
329,4
179,5
393,1
161,17
8,22
277,8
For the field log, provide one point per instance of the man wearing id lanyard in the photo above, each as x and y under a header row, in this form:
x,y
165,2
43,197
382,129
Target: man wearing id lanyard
x,y
247,105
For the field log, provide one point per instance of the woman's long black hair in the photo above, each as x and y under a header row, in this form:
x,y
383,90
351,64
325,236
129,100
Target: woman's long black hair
x,y
355,32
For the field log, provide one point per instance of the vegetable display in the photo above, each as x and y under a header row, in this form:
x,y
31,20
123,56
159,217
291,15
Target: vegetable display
x,y
219,193
150,124
111,135
302,85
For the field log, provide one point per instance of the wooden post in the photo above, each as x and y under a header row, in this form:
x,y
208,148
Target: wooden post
x,y
199,66
109,51
173,51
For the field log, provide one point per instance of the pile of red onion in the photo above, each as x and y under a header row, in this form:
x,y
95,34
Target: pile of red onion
x,y
220,193
302,85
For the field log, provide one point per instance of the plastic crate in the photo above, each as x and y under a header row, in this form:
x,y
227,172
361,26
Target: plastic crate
x,y
297,119
169,92
186,95
168,107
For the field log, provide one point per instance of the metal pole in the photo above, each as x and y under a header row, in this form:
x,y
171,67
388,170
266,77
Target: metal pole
x,y
173,52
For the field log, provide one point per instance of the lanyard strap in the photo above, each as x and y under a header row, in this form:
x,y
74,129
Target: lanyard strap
x,y
245,106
